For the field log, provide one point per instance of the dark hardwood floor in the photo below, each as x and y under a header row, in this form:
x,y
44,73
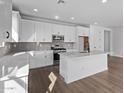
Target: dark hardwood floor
x,y
105,82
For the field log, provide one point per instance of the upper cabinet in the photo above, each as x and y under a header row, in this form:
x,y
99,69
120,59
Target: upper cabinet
x,y
27,33
43,32
67,31
83,31
15,26
70,34
96,38
34,31
5,20
58,29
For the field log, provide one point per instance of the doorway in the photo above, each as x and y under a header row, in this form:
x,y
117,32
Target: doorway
x,y
83,43
107,41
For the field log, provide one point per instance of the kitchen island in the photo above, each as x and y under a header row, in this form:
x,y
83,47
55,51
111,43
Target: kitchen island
x,y
76,65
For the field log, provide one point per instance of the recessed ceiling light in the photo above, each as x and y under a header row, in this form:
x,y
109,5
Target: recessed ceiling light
x,y
35,10
56,17
95,23
104,1
72,18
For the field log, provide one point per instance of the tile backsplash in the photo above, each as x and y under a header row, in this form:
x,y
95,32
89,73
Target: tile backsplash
x,y
34,46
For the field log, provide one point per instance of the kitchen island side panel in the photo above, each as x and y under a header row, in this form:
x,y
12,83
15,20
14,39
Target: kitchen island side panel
x,y
82,67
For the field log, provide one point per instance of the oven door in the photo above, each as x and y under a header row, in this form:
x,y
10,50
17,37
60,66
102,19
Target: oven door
x,y
56,58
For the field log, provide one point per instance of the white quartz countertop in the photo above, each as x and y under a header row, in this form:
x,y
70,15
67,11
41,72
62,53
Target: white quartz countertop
x,y
81,54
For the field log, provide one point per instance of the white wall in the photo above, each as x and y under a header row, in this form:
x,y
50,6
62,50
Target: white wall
x,y
5,18
117,41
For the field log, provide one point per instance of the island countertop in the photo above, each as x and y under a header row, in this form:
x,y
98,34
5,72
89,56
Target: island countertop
x,y
81,54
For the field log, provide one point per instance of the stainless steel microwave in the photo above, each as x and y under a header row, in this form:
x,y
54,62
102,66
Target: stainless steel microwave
x,y
58,37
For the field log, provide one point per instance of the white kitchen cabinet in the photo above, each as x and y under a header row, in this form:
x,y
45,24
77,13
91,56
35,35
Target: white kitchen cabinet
x,y
41,59
34,31
48,32
15,26
49,58
83,31
43,32
14,85
96,38
67,31
58,29
27,33
5,20
70,34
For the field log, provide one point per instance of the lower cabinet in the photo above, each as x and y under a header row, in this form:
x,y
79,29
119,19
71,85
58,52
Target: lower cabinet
x,y
17,85
41,59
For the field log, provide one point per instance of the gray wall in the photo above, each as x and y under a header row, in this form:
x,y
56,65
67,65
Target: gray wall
x,y
117,41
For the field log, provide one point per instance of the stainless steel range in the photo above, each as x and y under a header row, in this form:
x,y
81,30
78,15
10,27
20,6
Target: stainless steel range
x,y
56,56
57,47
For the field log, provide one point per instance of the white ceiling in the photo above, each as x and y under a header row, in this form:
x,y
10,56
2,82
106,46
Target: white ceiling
x,y
109,14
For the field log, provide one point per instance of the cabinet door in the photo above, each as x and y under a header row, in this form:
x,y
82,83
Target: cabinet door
x,y
69,34
27,31
5,20
66,34
97,38
43,32
101,39
14,85
48,32
41,59
49,58
58,29
73,33
38,60
40,31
